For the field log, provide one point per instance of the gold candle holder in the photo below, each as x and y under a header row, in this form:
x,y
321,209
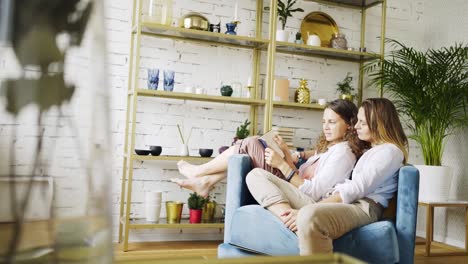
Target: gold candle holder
x,y
174,211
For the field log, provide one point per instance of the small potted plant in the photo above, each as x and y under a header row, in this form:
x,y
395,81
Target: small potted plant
x,y
285,11
195,204
242,131
345,89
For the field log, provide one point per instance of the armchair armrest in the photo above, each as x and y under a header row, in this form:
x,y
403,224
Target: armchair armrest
x,y
407,207
237,193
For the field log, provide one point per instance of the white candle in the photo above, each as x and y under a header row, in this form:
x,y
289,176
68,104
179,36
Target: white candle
x,y
249,82
235,10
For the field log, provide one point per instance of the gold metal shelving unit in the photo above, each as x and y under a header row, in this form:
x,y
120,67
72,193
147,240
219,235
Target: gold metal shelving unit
x,y
142,28
257,44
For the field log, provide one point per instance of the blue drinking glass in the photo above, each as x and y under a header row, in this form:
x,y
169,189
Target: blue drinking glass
x,y
169,80
153,79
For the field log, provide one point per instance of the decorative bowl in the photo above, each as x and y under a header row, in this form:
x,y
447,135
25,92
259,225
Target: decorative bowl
x,y
155,150
143,152
194,20
205,152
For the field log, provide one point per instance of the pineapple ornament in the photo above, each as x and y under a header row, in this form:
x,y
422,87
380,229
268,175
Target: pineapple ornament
x,y
302,94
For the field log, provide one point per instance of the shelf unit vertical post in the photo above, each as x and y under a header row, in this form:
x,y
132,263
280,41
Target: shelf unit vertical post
x,y
256,59
382,37
361,63
270,74
133,88
126,156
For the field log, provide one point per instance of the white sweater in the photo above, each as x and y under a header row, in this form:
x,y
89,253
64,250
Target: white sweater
x,y
375,175
335,165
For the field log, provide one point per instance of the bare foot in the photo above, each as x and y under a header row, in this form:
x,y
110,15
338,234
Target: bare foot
x,y
188,170
200,185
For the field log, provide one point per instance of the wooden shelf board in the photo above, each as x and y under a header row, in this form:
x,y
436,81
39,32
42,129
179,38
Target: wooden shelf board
x,y
184,223
167,158
301,49
297,105
151,28
349,3
200,97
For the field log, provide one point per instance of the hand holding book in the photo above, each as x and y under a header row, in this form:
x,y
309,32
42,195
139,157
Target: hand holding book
x,y
268,141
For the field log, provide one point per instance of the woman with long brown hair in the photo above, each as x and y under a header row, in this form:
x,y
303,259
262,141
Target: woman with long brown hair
x,y
330,163
359,200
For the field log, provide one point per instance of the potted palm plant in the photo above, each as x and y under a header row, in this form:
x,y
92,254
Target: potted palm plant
x,y
195,204
431,90
285,11
345,89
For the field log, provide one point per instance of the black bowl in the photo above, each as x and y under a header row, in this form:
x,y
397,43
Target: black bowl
x,y
205,152
155,150
142,152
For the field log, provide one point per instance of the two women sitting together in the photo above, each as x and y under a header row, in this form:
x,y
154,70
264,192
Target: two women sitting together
x,y
331,193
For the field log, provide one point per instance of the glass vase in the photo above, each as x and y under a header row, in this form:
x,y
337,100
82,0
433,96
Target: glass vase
x,y
54,146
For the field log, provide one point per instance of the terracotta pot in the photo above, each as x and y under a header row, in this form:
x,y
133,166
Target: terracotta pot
x,y
195,216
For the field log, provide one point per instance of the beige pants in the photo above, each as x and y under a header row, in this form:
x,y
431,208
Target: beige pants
x,y
317,223
268,189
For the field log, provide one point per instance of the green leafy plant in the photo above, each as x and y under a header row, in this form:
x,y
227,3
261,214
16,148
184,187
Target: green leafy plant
x,y
430,88
286,10
243,130
344,87
195,201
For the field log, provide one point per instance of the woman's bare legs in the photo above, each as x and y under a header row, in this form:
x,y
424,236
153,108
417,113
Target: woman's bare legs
x,y
214,166
201,185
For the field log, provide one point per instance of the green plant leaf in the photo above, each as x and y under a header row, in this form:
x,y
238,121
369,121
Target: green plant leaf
x,y
430,88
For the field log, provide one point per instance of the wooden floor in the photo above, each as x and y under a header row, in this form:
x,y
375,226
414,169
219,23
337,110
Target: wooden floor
x,y
207,250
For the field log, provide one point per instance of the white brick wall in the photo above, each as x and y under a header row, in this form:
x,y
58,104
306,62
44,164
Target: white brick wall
x,y
209,67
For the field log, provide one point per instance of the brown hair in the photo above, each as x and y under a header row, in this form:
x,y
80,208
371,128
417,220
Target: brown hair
x,y
384,123
347,110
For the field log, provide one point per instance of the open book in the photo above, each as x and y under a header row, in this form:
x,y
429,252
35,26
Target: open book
x,y
268,142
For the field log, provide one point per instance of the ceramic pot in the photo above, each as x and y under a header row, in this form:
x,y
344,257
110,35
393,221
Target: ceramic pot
x,y
195,216
183,150
434,182
282,35
226,90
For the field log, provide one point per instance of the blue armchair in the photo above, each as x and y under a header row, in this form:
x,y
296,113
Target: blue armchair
x,y
251,230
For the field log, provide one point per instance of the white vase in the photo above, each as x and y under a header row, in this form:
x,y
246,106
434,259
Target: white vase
x,y
183,150
434,182
282,35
